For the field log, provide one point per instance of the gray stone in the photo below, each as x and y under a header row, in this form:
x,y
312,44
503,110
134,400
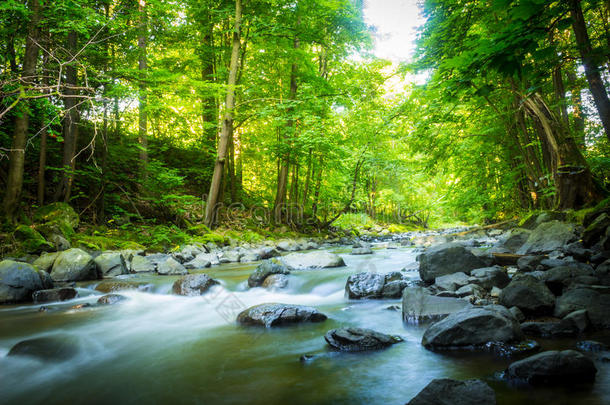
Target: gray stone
x,y
558,278
489,277
451,282
47,348
596,304
55,294
549,236
553,367
18,281
199,262
275,282
530,262
312,260
111,299
446,391
516,312
264,270
473,326
272,314
580,319
528,294
142,264
418,305
470,289
563,328
596,230
193,284
447,259
359,339
515,239
59,242
74,265
374,285
45,261
111,264
170,267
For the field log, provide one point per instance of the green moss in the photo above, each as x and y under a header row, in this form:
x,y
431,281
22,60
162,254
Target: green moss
x,y
57,212
31,241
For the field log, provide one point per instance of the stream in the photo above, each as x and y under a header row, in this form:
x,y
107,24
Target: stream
x,y
158,348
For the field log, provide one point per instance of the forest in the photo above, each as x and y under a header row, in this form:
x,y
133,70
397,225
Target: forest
x,y
250,201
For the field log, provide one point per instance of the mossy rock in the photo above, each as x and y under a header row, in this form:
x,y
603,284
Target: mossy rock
x,y
199,229
31,241
55,228
57,212
212,237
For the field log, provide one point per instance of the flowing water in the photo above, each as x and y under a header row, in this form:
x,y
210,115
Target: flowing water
x,y
158,348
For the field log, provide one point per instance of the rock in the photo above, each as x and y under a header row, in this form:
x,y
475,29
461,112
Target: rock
x,y
419,305
264,270
553,367
110,286
515,239
31,240
495,292
111,299
287,246
596,230
530,263
596,304
489,277
447,259
111,264
528,294
170,267
445,391
230,256
451,282
74,265
193,284
59,242
45,261
550,329
268,252
374,285
470,289
602,272
18,281
591,346
560,277
516,312
358,339
362,248
472,327
200,261
48,348
55,294
536,219
250,256
272,314
275,282
549,236
187,253
580,319
142,264
57,212
312,260
526,347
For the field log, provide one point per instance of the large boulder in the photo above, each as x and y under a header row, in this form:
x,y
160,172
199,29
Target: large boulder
x,y
596,230
597,305
562,328
358,339
318,259
549,236
74,265
193,284
418,305
48,348
54,294
445,391
201,261
272,314
171,267
447,259
45,261
31,240
553,367
187,253
489,277
374,285
264,270
473,327
57,212
451,282
275,282
515,239
142,264
18,281
528,294
560,277
111,264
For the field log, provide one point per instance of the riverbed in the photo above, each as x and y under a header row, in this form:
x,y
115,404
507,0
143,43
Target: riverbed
x,y
159,348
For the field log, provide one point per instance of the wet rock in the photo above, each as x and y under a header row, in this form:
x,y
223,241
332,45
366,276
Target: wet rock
x,y
602,272
45,261
275,282
111,299
530,263
596,230
110,286
272,314
527,347
55,294
558,278
111,264
48,348
555,329
74,265
170,267
596,304
250,256
447,259
470,290
374,285
81,306
472,327
495,292
359,339
549,236
418,305
591,346
188,253
553,367
362,248
515,239
193,284
268,252
31,240
201,261
230,256
18,281
445,391
142,264
517,314
580,319
489,277
451,282
312,260
288,246
528,294
264,270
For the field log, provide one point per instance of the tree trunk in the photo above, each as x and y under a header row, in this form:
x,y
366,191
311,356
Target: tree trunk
x,y
14,181
307,178
316,194
578,118
227,122
42,157
596,84
208,101
143,96
70,124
